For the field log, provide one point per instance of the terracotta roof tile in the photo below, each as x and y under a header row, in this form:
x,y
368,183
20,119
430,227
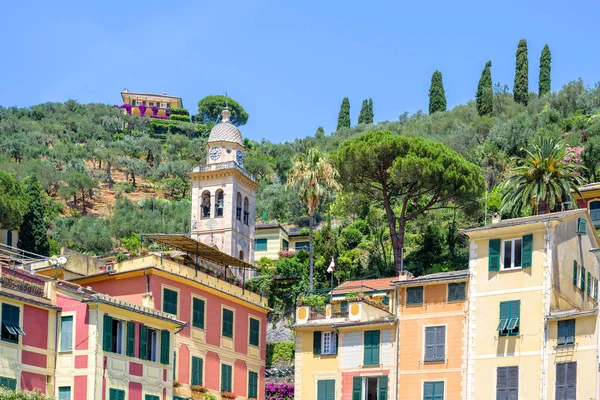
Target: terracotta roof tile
x,y
365,285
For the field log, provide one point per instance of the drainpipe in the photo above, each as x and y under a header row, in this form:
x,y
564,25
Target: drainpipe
x,y
546,292
96,350
55,350
397,301
147,281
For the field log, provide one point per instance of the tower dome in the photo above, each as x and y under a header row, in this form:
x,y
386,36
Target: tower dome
x,y
225,131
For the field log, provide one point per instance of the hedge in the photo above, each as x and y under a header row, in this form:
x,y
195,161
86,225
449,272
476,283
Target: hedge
x,y
280,351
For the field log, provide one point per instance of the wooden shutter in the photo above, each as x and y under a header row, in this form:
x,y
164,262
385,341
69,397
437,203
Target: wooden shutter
x,y
227,323
336,337
66,333
368,358
107,336
225,377
527,250
428,391
513,382
429,343
494,255
254,331
582,278
198,313
321,390
561,381
197,364
330,384
571,381
375,347
165,346
570,331
575,268
589,283
501,383
383,387
596,289
130,345
440,343
143,342
357,388
252,384
317,342
562,333
504,315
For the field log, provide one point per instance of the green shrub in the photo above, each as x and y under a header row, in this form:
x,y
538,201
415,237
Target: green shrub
x,y
315,301
178,111
280,351
177,117
6,394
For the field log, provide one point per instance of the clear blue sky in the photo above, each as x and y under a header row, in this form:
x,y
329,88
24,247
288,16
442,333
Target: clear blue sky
x,y
288,63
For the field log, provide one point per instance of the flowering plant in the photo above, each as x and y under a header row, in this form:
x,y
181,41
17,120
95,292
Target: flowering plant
x,y
279,391
142,109
198,389
154,110
227,395
573,154
176,384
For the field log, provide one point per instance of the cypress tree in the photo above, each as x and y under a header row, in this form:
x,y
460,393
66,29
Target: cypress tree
x,y
320,133
484,96
371,114
437,96
521,88
344,115
33,234
544,83
364,112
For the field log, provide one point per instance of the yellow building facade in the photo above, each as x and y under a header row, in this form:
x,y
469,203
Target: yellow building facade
x,y
270,241
532,320
162,101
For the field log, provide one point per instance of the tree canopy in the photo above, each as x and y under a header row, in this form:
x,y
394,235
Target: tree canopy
x,y
344,115
544,81
210,107
521,86
484,95
437,95
12,201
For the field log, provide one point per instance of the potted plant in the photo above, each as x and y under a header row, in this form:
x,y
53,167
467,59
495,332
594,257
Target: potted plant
x,y
227,395
198,391
176,384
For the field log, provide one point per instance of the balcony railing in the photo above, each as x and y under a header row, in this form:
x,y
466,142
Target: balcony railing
x,y
224,165
22,281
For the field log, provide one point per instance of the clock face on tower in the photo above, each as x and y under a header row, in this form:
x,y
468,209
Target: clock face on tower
x,y
240,157
215,153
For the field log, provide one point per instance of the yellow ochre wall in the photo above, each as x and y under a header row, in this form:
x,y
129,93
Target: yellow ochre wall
x,y
310,367
275,237
435,311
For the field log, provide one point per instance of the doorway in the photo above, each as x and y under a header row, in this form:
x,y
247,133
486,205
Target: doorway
x,y
371,385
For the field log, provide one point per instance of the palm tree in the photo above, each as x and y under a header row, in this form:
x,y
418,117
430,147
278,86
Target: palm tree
x,y
543,179
314,178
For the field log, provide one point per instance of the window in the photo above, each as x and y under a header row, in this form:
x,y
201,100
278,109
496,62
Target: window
x,y
10,323
197,371
414,295
165,347
385,300
575,273
241,255
371,348
226,378
219,204
8,383
507,383
595,288
285,245
595,213
326,389
151,397
148,343
118,336
252,384
197,313
205,206
9,239
254,332
66,333
376,387
566,332
589,283
116,394
170,301
511,253
510,313
261,245
328,343
130,339
344,307
566,381
457,291
227,324
151,104
582,278
433,391
238,207
246,211
64,393
303,246
435,343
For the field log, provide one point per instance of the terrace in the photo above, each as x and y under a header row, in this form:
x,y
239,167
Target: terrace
x,y
22,281
224,165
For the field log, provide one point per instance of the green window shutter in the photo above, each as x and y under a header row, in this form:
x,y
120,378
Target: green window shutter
x,y
438,391
143,342
494,255
367,348
596,289
317,342
371,348
383,388
570,331
589,283
66,333
582,226
225,377
252,384
254,331
357,388
8,383
170,301
198,313
151,397
504,317
64,393
414,295
330,389
527,250
428,391
575,270
515,316
165,346
260,245
456,291
107,336
582,279
129,348
344,306
562,333
197,365
227,323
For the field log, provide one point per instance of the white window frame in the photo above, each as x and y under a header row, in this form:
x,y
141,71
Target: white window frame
x,y
512,254
153,344
328,339
120,348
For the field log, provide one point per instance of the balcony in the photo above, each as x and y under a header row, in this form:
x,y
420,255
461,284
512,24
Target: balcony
x,y
22,281
224,165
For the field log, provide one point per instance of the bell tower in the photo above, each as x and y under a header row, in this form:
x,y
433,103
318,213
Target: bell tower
x,y
223,194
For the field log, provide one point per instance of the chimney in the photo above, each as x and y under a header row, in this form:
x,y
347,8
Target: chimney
x,y
405,276
496,218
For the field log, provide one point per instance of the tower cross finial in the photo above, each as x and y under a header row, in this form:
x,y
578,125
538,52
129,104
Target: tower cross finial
x,y
226,100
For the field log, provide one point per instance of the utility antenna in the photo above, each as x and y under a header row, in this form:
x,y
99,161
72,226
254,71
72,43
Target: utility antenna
x,y
226,99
